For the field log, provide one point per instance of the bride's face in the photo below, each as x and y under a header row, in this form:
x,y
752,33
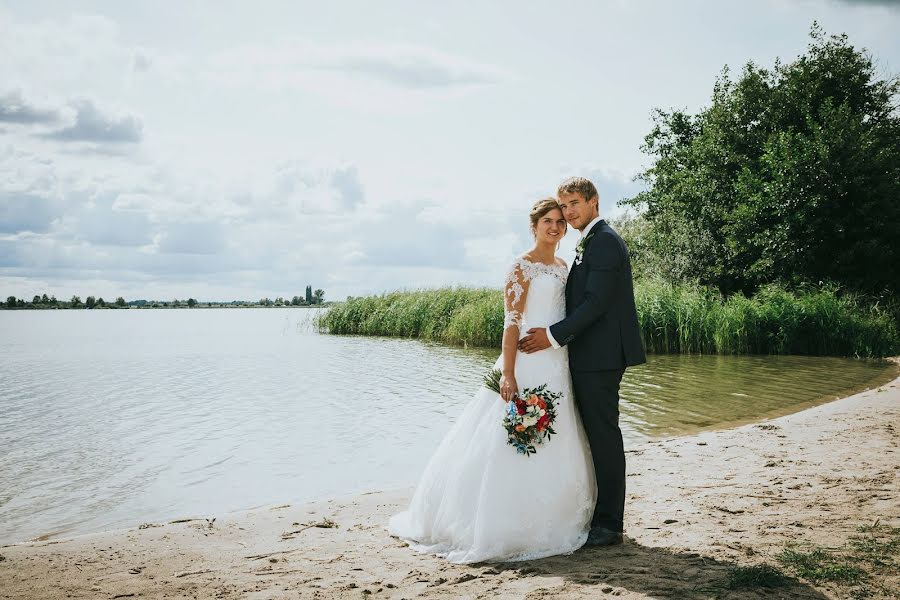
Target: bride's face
x,y
551,227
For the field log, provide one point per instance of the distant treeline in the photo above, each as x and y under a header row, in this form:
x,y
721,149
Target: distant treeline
x,y
674,318
311,298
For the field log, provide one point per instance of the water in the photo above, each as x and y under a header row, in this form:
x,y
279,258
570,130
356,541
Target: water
x,y
114,418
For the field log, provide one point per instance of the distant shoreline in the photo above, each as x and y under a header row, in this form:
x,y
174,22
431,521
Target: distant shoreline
x,y
199,306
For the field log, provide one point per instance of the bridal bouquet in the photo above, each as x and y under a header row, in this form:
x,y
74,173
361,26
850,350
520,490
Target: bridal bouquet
x,y
529,418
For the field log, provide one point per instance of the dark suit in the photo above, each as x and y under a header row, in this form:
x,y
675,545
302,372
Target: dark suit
x,y
603,335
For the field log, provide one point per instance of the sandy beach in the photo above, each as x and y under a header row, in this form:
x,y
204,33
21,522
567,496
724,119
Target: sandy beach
x,y
698,508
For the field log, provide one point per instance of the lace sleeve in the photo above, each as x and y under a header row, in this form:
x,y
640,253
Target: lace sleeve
x,y
514,294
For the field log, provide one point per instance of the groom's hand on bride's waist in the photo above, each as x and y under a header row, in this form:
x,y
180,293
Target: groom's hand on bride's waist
x,y
535,340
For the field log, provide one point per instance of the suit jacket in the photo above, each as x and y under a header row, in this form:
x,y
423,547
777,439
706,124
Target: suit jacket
x,y
601,327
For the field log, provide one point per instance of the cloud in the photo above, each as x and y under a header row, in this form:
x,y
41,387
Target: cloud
x,y
290,62
298,188
410,67
149,227
302,224
25,211
15,109
192,238
398,235
99,223
93,125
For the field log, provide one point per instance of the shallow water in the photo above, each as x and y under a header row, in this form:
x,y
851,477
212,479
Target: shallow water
x,y
114,418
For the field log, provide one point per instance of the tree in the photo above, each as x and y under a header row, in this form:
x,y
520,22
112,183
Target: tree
x,y
45,299
90,302
191,303
120,301
319,296
20,303
75,301
791,176
11,302
101,301
53,300
36,300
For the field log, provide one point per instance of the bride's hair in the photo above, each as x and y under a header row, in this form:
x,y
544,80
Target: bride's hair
x,y
541,208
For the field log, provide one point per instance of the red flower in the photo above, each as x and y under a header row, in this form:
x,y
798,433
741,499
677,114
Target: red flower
x,y
542,423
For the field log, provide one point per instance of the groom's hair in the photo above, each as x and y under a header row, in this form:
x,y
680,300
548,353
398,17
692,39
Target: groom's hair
x,y
578,185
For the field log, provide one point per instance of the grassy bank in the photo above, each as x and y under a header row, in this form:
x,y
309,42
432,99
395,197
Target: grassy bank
x,y
464,316
674,319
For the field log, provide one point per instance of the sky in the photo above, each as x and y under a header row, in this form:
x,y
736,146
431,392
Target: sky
x,y
234,150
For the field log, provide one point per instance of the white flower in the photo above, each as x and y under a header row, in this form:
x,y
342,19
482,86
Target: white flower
x,y
579,249
529,420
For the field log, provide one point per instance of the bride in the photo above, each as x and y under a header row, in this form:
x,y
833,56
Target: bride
x,y
480,500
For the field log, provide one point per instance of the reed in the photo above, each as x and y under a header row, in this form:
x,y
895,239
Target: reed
x,y
461,316
675,318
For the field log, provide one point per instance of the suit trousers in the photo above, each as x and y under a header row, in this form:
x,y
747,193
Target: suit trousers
x,y
597,396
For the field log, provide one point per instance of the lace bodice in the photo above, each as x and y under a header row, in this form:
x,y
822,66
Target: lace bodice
x,y
534,294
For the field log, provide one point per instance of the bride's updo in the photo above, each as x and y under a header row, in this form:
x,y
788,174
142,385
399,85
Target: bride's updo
x,y
541,208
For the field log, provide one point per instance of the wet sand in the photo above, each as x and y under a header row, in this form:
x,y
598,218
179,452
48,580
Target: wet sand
x,y
697,507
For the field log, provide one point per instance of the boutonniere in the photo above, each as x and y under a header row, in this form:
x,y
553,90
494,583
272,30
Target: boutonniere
x,y
579,249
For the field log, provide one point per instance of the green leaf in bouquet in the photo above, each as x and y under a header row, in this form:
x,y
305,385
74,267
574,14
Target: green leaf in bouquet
x,y
492,380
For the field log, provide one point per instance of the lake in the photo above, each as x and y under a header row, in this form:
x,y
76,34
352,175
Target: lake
x,y
111,419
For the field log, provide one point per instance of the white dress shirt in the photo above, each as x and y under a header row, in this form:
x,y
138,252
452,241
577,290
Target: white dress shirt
x,y
584,233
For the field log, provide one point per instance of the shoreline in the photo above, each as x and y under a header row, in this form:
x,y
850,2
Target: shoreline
x,y
697,507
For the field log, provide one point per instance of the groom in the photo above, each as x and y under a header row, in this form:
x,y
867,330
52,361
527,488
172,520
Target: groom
x,y
602,332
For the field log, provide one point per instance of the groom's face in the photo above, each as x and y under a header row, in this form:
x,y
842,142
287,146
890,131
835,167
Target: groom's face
x,y
578,210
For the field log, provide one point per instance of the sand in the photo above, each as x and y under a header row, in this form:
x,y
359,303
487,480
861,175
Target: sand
x,y
697,507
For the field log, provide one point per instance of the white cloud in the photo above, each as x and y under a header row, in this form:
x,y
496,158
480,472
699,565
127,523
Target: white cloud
x,y
94,125
14,108
293,61
302,222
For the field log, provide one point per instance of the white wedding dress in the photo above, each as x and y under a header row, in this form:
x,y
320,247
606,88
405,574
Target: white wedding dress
x,y
480,500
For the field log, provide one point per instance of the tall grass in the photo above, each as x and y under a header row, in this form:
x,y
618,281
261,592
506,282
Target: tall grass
x,y
675,318
814,321
462,316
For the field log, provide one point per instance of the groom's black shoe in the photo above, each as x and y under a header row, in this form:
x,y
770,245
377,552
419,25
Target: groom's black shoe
x,y
601,536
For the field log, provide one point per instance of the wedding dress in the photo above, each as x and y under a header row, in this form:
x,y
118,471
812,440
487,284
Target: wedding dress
x,y
478,499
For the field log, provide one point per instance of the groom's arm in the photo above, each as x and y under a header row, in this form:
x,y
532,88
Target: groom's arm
x,y
604,262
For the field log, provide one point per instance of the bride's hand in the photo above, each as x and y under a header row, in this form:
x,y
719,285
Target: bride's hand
x,y
508,387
